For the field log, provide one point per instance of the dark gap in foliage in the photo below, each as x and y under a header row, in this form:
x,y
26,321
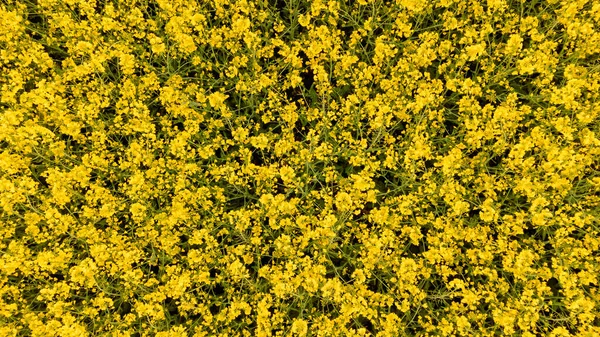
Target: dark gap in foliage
x,y
257,158
273,127
343,167
193,74
122,222
154,269
319,203
39,22
497,260
100,7
191,317
560,48
308,75
280,187
498,36
184,243
308,80
124,308
36,18
522,129
398,131
252,326
56,54
326,307
340,267
215,74
172,309
375,284
363,322
367,209
280,6
571,328
472,69
41,178
179,126
434,71
380,183
509,278
36,305
299,136
347,30
474,153
77,14
293,312
265,260
276,50
108,113
214,309
294,94
86,130
236,202
29,85
226,133
71,144
530,231
259,262
495,161
424,231
217,289
101,225
548,252
57,277
489,322
125,141
341,92
480,197
377,32
113,69
213,272
415,249
89,322
554,286
518,200
473,213
483,101
151,10
450,98
450,126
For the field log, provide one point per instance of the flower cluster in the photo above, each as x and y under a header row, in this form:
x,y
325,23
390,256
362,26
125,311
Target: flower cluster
x,y
299,168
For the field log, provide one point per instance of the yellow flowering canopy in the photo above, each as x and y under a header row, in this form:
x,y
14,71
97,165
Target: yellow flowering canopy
x,y
299,168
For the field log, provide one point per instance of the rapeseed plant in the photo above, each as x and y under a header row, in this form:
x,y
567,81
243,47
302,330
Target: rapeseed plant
x,y
299,168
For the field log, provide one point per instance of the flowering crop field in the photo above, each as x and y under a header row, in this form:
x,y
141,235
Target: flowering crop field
x,y
334,168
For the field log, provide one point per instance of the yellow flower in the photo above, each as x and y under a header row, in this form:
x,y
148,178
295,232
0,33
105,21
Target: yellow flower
x,y
217,99
260,142
475,51
343,202
304,19
299,327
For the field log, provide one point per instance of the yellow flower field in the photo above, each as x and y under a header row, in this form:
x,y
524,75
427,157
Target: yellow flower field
x,y
335,168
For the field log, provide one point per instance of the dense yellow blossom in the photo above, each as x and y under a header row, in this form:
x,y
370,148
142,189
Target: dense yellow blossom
x,y
381,168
